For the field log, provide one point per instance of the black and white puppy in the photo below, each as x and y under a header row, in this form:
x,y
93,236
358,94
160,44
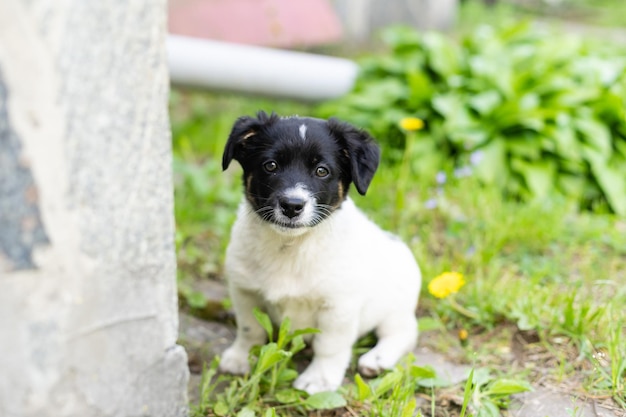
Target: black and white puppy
x,y
301,249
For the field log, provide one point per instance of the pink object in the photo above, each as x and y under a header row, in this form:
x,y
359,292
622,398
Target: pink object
x,y
279,23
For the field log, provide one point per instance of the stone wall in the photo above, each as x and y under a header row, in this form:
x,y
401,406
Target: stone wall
x,y
88,309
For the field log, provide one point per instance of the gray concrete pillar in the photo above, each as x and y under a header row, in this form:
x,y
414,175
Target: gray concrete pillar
x,y
88,309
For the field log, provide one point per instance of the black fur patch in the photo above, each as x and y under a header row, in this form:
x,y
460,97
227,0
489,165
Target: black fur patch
x,y
276,155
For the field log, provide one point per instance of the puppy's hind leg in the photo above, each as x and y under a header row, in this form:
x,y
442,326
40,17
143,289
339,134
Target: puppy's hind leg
x,y
397,336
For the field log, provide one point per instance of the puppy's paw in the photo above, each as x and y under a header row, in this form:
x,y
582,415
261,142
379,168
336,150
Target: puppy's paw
x,y
234,361
313,381
374,362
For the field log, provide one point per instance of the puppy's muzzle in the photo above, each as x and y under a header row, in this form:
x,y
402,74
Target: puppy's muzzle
x,y
291,206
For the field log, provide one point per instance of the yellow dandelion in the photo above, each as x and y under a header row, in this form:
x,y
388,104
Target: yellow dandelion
x,y
446,284
463,335
412,124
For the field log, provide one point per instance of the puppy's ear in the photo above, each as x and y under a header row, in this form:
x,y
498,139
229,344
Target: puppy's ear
x,y
244,128
363,152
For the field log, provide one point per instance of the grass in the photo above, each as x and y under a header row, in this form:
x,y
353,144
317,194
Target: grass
x,y
543,301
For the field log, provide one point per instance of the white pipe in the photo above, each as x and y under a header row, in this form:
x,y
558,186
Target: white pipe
x,y
255,70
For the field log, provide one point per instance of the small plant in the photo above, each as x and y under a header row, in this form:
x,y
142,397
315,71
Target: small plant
x,y
609,362
536,115
393,393
268,386
486,395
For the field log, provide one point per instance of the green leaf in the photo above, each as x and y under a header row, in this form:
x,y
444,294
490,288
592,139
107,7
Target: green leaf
x,y
507,387
420,372
386,382
612,180
363,390
452,107
401,36
467,137
428,323
526,147
297,344
246,412
287,375
265,322
484,103
305,331
409,408
493,72
442,54
381,94
491,167
538,175
467,393
288,396
572,185
269,356
325,401
196,299
566,143
283,332
270,412
420,88
481,376
620,145
487,408
220,409
595,134
575,96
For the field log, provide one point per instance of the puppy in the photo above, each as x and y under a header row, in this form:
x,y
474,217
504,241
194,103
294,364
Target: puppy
x,y
301,249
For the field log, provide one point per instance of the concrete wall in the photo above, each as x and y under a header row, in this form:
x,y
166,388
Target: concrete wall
x,y
88,309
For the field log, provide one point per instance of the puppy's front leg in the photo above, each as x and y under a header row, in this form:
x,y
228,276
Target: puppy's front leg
x,y
332,349
249,332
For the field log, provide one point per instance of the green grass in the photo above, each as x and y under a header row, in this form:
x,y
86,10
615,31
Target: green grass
x,y
543,280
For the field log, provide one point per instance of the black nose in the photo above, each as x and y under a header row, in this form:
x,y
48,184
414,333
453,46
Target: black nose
x,y
291,206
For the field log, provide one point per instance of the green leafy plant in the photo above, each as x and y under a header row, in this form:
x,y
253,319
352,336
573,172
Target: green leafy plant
x,y
393,393
487,395
268,385
609,360
535,114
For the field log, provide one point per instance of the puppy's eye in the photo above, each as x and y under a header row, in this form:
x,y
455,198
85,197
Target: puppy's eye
x,y
270,166
322,172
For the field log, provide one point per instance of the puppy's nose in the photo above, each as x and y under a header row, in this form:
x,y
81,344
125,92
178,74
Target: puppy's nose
x,y
291,206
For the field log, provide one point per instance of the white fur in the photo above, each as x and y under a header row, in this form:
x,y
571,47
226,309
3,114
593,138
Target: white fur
x,y
302,131
344,276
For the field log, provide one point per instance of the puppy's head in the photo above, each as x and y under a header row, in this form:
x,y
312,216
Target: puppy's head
x,y
297,170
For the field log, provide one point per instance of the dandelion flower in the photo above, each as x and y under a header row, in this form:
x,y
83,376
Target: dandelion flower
x,y
446,284
412,123
463,335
